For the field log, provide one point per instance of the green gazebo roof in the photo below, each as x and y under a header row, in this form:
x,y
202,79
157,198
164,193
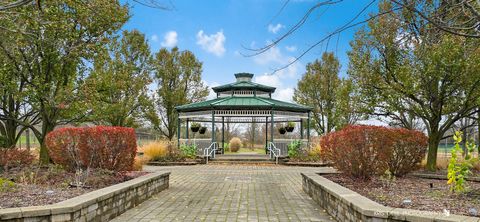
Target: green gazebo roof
x,y
243,103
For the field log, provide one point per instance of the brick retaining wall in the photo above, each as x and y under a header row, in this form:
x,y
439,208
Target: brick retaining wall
x,y
346,205
99,205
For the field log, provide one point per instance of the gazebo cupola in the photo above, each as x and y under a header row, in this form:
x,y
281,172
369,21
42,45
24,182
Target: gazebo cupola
x,y
244,87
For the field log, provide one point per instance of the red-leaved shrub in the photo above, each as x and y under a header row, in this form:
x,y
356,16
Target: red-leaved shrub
x,y
112,148
407,151
14,157
357,150
362,151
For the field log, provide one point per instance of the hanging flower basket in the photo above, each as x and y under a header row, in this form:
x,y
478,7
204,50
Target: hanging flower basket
x,y
282,130
290,127
202,130
195,127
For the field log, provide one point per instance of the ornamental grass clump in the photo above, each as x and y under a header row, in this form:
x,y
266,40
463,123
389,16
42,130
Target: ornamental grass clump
x,y
155,151
235,144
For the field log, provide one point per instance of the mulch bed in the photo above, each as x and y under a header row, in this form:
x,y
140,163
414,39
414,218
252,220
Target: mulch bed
x,y
418,191
41,186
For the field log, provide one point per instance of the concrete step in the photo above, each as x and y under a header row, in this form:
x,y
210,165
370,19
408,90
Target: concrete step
x,y
242,157
221,162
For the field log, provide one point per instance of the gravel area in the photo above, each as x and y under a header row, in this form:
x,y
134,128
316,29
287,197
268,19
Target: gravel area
x,y
416,193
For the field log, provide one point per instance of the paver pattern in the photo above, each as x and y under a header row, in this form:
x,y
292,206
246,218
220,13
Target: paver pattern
x,y
230,193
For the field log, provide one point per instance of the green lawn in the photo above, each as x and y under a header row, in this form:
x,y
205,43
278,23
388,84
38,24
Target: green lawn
x,y
248,150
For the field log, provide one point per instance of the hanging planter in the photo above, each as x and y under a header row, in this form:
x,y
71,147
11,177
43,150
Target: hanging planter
x,y
282,130
195,127
202,130
290,127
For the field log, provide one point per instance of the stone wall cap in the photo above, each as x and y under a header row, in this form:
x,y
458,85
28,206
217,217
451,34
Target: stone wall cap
x,y
79,202
370,208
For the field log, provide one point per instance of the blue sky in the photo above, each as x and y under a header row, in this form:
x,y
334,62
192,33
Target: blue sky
x,y
218,30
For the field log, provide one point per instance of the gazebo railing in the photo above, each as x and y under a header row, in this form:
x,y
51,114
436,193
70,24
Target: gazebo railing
x,y
274,151
210,151
282,145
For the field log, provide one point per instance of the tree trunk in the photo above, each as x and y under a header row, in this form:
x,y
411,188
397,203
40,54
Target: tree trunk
x,y
46,128
27,139
10,134
478,129
433,142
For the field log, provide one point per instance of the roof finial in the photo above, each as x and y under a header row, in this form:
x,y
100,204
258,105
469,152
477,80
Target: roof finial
x,y
244,77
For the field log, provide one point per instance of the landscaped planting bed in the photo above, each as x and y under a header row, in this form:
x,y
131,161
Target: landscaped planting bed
x,y
415,193
34,186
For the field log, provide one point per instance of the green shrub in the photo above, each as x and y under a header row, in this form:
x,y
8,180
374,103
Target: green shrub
x,y
6,185
294,148
189,151
235,144
225,146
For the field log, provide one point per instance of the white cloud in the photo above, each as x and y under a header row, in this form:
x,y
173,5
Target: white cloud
x,y
285,94
273,55
269,80
281,93
291,48
214,43
170,39
275,28
154,38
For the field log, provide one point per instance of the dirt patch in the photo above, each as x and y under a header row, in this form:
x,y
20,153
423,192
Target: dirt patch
x,y
415,193
35,186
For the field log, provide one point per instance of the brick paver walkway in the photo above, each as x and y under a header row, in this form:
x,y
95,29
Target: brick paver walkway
x,y
230,193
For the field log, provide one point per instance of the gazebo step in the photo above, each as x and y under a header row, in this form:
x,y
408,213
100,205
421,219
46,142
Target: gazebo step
x,y
242,159
222,162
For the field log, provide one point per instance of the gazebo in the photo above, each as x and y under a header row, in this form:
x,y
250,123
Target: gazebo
x,y
243,101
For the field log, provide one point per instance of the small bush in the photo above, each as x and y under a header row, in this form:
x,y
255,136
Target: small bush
x,y
111,148
6,185
14,157
235,144
294,148
155,150
407,151
226,147
364,151
189,151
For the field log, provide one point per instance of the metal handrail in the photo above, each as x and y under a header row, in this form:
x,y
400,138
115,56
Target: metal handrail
x,y
210,151
273,151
